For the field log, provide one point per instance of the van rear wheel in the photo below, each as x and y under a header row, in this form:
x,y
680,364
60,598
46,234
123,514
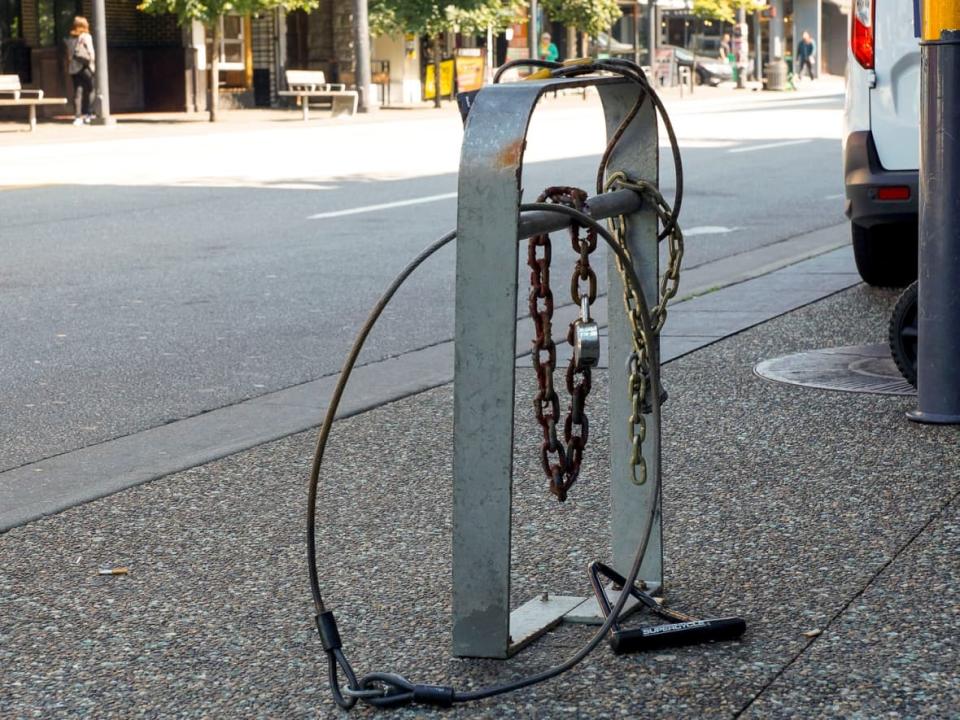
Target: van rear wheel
x,y
886,255
903,334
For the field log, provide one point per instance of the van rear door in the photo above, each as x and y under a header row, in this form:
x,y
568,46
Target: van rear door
x,y
895,101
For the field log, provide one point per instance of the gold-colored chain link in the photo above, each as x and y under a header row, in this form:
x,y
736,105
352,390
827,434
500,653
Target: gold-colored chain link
x,y
670,281
643,344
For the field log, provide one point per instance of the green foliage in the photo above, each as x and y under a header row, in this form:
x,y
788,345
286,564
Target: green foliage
x,y
725,10
426,17
589,16
207,11
496,14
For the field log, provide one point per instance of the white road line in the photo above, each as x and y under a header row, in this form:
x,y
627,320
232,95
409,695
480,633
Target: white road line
x,y
708,230
383,206
834,197
751,148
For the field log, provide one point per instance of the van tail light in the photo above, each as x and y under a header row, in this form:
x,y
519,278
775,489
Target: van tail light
x,y
861,32
893,192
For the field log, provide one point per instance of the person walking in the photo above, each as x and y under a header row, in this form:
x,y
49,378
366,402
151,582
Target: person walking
x,y
806,52
81,67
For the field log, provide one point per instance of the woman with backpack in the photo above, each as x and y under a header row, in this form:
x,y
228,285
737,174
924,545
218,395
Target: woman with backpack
x,y
81,68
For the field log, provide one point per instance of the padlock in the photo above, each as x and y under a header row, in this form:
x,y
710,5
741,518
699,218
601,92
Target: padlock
x,y
586,338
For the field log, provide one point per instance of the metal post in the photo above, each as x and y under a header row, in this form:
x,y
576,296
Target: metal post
x,y
775,50
102,75
757,55
532,40
777,66
636,32
938,341
488,225
652,29
361,37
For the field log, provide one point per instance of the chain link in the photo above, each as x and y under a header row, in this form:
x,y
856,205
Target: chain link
x,y
638,364
561,461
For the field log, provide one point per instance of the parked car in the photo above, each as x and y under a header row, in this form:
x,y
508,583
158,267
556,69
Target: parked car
x,y
881,141
604,44
710,70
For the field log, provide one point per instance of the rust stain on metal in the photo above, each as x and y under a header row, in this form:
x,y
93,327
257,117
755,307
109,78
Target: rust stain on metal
x,y
511,154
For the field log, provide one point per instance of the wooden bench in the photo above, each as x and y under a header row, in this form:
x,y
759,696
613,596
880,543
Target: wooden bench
x,y
12,95
307,84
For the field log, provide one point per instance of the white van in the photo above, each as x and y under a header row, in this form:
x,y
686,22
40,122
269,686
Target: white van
x,y
881,144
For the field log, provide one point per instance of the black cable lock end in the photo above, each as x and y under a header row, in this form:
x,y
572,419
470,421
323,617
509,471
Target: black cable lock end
x,y
438,695
658,637
329,635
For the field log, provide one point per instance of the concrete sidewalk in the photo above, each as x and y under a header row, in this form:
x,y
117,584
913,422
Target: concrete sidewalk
x,y
798,509
175,124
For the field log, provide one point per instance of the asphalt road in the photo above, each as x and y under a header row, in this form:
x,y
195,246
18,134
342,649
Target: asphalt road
x,y
134,296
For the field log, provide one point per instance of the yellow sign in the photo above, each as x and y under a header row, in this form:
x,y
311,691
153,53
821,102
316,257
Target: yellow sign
x,y
446,80
469,73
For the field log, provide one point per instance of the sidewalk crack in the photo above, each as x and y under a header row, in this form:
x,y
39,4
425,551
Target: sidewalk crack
x,y
882,569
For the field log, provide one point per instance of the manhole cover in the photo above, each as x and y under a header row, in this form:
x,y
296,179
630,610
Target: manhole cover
x,y
858,368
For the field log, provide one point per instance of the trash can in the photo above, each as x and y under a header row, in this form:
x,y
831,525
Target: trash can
x,y
777,75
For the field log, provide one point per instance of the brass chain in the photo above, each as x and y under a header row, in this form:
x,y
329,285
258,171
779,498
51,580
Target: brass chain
x,y
670,281
643,345
562,470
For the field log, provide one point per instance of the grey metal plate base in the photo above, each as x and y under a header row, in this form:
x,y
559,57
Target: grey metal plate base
x,y
856,368
543,613
537,616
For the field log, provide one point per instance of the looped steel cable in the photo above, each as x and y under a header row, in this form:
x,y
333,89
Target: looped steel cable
x,y
439,695
387,689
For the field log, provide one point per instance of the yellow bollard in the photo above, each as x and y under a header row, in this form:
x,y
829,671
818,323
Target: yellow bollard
x,y
939,15
938,304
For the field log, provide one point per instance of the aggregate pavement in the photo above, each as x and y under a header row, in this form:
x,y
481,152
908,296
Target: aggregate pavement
x,y
798,509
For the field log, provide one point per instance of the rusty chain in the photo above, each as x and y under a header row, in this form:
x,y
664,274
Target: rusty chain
x,y
562,470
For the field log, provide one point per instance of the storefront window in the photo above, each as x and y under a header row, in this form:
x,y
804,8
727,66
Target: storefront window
x,y
231,43
54,20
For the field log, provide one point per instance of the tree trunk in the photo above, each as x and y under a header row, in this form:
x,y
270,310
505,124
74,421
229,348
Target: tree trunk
x,y
361,38
436,70
571,42
214,70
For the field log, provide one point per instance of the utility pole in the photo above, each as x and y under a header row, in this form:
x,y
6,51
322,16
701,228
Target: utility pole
x,y
361,39
652,33
938,309
776,67
101,76
532,40
757,56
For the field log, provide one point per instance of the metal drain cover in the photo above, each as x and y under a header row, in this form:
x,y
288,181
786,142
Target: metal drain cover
x,y
857,368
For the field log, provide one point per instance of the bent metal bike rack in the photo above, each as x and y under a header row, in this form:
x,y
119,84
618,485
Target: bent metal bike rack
x,y
489,225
